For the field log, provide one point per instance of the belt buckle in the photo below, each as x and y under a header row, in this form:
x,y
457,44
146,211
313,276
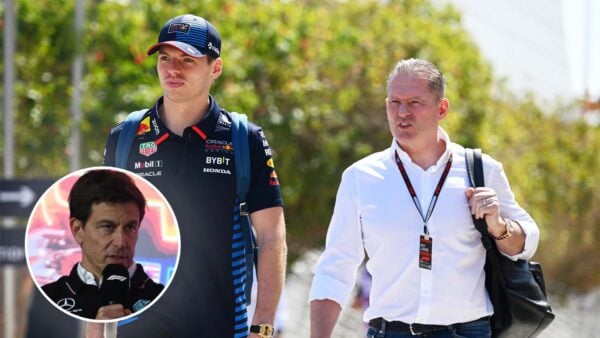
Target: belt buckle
x,y
412,331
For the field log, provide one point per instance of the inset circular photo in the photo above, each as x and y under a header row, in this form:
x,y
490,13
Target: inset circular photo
x,y
102,244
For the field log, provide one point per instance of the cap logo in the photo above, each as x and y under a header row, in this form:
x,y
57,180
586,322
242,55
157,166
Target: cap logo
x,y
191,50
213,48
179,27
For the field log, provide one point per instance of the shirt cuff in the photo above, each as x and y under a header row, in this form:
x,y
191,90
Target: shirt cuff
x,y
326,287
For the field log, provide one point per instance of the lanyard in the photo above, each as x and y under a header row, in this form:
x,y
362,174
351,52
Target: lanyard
x,y
413,195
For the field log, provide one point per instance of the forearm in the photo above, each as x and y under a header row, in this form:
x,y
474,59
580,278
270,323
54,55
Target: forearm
x,y
324,313
272,255
271,276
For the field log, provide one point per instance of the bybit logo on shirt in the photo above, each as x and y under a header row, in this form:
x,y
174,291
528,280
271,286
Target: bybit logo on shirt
x,y
221,160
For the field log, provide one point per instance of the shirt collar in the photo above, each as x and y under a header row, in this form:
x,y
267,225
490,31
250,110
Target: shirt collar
x,y
89,279
442,135
207,124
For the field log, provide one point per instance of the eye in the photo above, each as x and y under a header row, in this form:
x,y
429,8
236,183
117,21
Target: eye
x,y
163,57
131,228
188,60
107,227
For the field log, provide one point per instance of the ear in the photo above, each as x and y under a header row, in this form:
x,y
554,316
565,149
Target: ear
x,y
76,229
443,106
217,66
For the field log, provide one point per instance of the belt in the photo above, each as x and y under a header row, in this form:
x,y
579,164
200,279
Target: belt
x,y
414,329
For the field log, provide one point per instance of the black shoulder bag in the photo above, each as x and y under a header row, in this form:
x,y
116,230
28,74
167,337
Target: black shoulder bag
x,y
516,288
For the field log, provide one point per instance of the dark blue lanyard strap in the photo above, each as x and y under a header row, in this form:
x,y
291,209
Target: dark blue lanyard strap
x,y
413,194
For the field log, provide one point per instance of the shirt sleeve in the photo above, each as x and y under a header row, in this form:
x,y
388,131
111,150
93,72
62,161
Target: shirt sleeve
x,y
335,273
495,178
264,191
111,146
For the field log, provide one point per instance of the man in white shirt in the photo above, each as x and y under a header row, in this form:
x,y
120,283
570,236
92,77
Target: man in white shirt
x,y
408,209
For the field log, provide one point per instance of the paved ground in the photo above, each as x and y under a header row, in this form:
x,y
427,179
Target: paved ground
x,y
578,317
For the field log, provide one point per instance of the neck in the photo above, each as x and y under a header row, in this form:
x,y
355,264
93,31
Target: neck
x,y
427,155
178,116
96,274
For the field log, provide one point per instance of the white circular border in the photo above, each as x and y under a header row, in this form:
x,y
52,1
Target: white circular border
x,y
135,178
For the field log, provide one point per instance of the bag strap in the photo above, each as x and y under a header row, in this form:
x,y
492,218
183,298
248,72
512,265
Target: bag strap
x,y
126,137
241,152
474,161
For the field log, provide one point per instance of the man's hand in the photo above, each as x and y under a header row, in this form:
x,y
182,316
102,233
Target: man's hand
x,y
484,203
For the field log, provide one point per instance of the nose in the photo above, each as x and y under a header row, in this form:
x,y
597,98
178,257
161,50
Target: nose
x,y
173,67
402,109
118,239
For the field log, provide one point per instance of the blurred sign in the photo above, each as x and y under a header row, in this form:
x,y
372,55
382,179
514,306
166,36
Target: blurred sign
x,y
17,197
12,249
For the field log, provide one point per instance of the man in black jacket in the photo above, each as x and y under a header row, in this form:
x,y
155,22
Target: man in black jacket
x,y
106,210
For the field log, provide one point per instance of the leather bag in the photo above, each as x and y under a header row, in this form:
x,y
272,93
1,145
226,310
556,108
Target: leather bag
x,y
516,288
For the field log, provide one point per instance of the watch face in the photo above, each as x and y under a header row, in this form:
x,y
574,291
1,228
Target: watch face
x,y
263,330
266,330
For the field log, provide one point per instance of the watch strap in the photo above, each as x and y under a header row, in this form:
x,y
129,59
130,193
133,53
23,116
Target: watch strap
x,y
263,330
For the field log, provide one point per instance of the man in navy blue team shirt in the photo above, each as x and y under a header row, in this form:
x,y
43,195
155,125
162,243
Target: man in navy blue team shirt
x,y
184,146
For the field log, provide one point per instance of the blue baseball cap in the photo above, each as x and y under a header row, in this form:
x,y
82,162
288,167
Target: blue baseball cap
x,y
191,34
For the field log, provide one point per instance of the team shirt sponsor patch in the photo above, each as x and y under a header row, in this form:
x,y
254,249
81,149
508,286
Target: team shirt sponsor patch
x,y
220,160
217,165
273,180
224,121
150,173
270,163
148,148
217,171
218,146
144,126
66,303
155,126
148,164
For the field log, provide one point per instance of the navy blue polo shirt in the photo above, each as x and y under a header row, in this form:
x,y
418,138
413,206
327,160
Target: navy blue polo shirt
x,y
196,173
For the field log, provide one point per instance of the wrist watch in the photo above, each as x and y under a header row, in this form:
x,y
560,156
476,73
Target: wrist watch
x,y
508,233
263,330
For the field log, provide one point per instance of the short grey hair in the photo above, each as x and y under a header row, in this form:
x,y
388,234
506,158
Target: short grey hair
x,y
424,70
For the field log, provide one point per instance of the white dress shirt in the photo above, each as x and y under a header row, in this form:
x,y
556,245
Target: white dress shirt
x,y
375,215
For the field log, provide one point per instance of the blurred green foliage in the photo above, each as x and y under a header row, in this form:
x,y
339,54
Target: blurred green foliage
x,y
313,74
